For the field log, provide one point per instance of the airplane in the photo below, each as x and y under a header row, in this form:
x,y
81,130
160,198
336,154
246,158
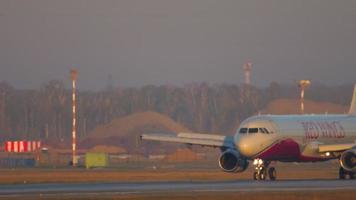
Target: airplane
x,y
263,139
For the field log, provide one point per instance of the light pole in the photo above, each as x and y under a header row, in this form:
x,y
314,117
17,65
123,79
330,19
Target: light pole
x,y
303,84
74,74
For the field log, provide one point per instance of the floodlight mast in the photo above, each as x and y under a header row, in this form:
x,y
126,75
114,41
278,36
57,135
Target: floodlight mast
x,y
247,69
74,75
303,84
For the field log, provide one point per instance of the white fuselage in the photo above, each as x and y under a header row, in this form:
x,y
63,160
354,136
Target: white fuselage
x,y
293,137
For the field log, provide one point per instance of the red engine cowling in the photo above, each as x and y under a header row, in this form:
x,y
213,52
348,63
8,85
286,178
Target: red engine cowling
x,y
231,161
348,160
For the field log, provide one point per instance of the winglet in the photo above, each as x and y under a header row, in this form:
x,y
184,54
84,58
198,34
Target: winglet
x,y
353,103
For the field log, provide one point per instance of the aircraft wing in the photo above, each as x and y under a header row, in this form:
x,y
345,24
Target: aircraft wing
x,y
335,147
193,139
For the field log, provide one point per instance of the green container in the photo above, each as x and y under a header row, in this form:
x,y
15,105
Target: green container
x,y
93,160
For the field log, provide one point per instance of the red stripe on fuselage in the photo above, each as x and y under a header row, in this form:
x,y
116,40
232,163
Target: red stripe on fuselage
x,y
286,150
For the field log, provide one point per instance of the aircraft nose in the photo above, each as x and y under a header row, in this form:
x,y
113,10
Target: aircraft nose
x,y
246,146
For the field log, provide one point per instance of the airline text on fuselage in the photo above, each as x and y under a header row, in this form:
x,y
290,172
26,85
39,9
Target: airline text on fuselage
x,y
325,129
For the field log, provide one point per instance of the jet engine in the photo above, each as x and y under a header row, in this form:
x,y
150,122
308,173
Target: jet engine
x,y
231,161
348,160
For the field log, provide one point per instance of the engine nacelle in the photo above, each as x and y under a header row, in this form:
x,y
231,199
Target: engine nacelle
x,y
231,161
348,160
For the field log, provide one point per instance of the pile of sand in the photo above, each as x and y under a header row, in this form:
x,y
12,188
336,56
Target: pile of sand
x,y
125,131
126,125
292,106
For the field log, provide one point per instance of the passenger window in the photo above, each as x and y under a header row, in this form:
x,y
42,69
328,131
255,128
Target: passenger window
x,y
261,130
243,130
253,130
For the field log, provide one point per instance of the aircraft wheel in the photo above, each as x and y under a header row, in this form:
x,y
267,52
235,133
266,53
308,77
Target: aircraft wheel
x,y
262,175
255,176
351,175
341,173
272,173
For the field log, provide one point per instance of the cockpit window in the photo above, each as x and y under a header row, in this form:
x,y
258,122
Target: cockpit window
x,y
253,130
243,130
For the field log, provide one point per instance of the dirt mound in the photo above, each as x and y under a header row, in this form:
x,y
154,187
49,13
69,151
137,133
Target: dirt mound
x,y
125,131
182,155
127,125
292,106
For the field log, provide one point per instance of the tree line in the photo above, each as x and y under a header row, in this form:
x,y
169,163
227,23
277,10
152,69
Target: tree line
x,y
45,113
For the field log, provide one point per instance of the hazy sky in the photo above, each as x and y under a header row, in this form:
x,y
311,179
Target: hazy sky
x,y
141,42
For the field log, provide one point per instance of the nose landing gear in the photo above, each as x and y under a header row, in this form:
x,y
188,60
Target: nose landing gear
x,y
262,170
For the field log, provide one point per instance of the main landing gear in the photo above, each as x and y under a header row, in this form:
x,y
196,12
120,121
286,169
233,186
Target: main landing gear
x,y
262,170
344,173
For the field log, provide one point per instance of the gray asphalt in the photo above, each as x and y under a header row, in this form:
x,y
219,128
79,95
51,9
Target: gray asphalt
x,y
174,187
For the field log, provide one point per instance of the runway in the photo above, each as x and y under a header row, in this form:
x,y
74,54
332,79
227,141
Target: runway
x,y
88,189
